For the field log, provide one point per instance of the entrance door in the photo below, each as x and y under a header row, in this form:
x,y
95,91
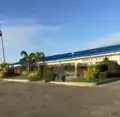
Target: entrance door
x,y
80,70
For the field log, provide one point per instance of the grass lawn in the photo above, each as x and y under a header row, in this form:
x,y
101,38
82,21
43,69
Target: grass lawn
x,y
24,78
19,77
86,80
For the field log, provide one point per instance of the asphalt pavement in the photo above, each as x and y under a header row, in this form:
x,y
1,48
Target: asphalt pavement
x,y
49,100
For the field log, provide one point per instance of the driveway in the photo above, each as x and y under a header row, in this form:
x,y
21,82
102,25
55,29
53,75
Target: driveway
x,y
48,100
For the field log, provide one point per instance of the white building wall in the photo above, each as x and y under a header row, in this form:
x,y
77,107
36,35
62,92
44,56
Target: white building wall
x,y
94,60
88,60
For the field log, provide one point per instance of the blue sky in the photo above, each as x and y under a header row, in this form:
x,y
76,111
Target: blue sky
x,y
58,26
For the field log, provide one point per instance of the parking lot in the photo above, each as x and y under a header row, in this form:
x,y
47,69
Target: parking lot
x,y
48,100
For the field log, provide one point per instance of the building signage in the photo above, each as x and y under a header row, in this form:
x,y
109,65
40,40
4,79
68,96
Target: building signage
x,y
98,59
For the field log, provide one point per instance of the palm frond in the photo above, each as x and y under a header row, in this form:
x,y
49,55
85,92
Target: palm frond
x,y
24,53
40,54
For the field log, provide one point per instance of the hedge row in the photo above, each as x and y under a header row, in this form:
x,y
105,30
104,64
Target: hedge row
x,y
106,69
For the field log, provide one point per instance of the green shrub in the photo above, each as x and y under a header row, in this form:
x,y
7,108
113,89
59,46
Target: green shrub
x,y
94,70
33,74
101,67
112,66
87,74
25,73
10,72
113,74
105,69
5,70
48,74
42,67
90,71
103,75
2,73
96,75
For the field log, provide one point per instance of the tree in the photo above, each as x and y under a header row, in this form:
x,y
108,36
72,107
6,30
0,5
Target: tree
x,y
32,58
39,56
4,67
26,58
24,53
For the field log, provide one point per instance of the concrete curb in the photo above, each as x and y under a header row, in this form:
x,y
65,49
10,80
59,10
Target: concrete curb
x,y
15,80
86,84
108,81
82,84
74,84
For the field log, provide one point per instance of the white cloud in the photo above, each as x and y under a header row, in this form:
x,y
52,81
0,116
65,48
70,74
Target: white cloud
x,y
22,36
105,41
21,21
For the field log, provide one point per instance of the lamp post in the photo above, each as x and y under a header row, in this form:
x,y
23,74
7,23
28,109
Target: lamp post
x,y
3,52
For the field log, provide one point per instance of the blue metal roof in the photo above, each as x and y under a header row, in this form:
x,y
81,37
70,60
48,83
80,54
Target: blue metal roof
x,y
84,53
58,57
97,51
21,63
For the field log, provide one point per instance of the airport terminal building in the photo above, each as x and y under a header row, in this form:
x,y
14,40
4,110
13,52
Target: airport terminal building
x,y
73,61
91,56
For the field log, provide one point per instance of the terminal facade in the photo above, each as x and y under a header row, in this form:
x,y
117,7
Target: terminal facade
x,y
73,61
85,57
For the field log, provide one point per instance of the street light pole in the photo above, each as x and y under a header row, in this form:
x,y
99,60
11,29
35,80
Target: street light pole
x,y
3,51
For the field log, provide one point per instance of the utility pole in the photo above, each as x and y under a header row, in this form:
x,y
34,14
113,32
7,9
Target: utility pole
x,y
3,51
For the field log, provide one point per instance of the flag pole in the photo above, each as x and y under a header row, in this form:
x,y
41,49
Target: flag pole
x,y
3,51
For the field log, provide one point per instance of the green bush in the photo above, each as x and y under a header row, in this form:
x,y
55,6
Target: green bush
x,y
33,74
103,75
42,67
90,71
113,75
93,71
87,74
10,72
105,69
96,75
6,71
101,67
112,66
48,74
25,73
2,73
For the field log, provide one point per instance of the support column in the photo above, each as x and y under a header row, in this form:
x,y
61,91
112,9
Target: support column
x,y
76,68
118,59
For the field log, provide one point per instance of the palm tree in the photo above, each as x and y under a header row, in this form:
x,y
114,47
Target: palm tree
x,y
26,58
39,57
24,53
32,58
